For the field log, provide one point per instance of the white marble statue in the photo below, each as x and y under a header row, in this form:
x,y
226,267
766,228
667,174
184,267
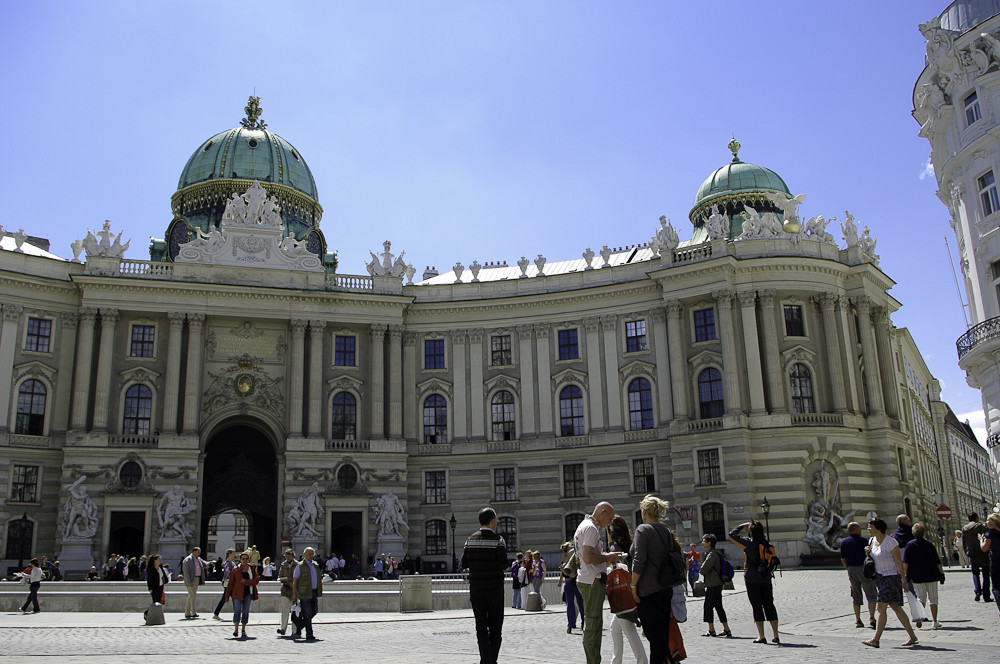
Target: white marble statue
x,y
788,206
867,243
717,225
387,513
815,229
172,511
383,265
849,229
753,225
824,524
668,236
102,244
305,513
80,512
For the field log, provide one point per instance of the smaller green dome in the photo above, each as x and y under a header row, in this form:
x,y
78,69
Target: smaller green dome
x,y
735,181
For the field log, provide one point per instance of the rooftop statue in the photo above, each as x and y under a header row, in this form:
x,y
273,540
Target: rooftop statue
x,y
666,234
101,245
717,225
850,230
387,267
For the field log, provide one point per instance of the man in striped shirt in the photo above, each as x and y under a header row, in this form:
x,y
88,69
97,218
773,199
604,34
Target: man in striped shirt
x,y
485,561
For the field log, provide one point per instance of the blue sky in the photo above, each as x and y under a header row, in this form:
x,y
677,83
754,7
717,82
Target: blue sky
x,y
486,130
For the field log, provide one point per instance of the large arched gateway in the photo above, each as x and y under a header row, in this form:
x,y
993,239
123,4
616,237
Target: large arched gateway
x,y
241,473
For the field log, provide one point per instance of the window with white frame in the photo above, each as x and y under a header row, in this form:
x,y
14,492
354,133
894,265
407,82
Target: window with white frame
x,y
435,419
141,343
571,411
38,336
569,347
435,537
571,522
502,416
343,351
713,520
709,467
988,193
434,354
710,401
635,336
500,353
972,113
640,405
704,325
504,484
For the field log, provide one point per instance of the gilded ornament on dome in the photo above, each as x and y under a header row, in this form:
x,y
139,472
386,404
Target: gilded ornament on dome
x,y
253,111
734,147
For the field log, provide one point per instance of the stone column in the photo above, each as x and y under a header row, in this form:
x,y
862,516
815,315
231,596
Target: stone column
x,y
544,379
411,419
613,386
81,375
658,328
526,361
395,381
594,382
8,346
171,389
849,354
883,330
458,370
316,366
377,334
751,348
64,388
192,383
772,353
105,361
678,362
868,352
730,367
479,422
827,303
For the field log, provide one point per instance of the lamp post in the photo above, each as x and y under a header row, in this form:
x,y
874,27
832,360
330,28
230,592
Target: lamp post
x,y
25,542
453,522
765,507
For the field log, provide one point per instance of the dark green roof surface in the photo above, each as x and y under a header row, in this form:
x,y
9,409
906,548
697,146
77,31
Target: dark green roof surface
x,y
736,177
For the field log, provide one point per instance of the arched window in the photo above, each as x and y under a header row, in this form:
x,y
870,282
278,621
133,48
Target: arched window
x,y
30,408
507,529
435,419
571,411
710,393
571,522
344,422
640,405
503,416
802,390
435,538
138,410
713,520
19,536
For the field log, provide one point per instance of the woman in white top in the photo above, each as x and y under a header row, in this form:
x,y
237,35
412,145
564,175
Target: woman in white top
x,y
33,577
889,567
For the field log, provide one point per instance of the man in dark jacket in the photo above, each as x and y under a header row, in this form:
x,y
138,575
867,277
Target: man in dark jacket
x,y
485,560
922,568
904,531
978,559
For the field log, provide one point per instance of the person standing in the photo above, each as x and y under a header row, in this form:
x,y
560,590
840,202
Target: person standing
x,y
922,567
591,579
979,560
693,567
889,565
33,576
963,559
760,592
990,544
267,569
193,568
156,579
624,624
568,570
538,574
515,582
852,557
307,588
650,553
484,558
711,570
286,578
227,569
242,588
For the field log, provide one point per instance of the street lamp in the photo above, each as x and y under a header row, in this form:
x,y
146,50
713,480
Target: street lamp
x,y
453,522
25,542
765,507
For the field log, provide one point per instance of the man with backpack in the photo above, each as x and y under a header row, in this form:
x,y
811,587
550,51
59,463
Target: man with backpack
x,y
761,561
568,571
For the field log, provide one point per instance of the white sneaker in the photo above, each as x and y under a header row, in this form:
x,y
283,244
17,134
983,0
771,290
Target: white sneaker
x,y
937,625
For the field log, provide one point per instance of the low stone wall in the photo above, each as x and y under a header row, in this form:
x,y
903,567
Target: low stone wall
x,y
338,596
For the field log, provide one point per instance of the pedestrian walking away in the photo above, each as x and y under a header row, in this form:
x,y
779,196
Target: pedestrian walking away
x,y
922,568
242,589
484,559
978,559
711,570
889,568
32,576
990,544
852,557
568,570
227,569
591,578
307,588
758,575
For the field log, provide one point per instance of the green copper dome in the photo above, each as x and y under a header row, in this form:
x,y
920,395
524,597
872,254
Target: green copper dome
x,y
733,185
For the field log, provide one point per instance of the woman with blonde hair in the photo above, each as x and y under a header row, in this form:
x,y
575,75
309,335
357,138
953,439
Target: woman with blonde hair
x,y
538,574
650,552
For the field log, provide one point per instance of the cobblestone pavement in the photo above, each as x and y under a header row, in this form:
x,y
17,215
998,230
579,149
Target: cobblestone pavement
x,y
814,607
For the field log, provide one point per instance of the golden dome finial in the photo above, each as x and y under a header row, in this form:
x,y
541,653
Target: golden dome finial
x,y
253,111
734,147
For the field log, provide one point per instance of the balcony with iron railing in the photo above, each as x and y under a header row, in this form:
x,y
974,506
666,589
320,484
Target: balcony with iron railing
x,y
988,330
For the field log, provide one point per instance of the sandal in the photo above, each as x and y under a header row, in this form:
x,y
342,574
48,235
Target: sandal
x,y
870,644
911,642
776,640
728,634
859,624
760,640
709,634
872,624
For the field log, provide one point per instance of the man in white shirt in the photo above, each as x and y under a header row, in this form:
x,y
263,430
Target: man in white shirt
x,y
591,577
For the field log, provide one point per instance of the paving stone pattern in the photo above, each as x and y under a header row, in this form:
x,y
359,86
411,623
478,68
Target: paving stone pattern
x,y
814,607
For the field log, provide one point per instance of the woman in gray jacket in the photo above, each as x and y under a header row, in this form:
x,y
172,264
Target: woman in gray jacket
x,y
650,551
711,570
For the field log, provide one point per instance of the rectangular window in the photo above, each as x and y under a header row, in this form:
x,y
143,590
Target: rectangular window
x,y
901,457
39,335
142,341
436,538
240,526
635,336
972,114
573,484
793,321
24,484
642,476
569,348
434,354
704,325
434,487
988,193
500,351
709,470
504,487
343,351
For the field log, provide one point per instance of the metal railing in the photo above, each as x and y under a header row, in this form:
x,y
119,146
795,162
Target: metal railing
x,y
977,334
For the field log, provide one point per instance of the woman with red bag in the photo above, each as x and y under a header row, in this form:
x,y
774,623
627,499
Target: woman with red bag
x,y
242,589
156,579
624,623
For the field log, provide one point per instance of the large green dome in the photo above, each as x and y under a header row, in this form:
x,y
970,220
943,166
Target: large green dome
x,y
735,184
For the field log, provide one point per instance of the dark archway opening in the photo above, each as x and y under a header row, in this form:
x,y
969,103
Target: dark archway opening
x,y
126,533
241,473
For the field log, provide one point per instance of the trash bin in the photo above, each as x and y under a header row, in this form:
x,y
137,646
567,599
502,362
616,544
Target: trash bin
x,y
415,593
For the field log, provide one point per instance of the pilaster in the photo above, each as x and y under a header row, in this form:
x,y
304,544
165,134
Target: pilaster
x,y
171,389
8,345
828,303
527,363
730,365
614,400
105,362
461,416
678,368
376,333
594,382
192,387
873,383
772,353
544,378
81,375
395,381
316,365
479,420
751,349
658,328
